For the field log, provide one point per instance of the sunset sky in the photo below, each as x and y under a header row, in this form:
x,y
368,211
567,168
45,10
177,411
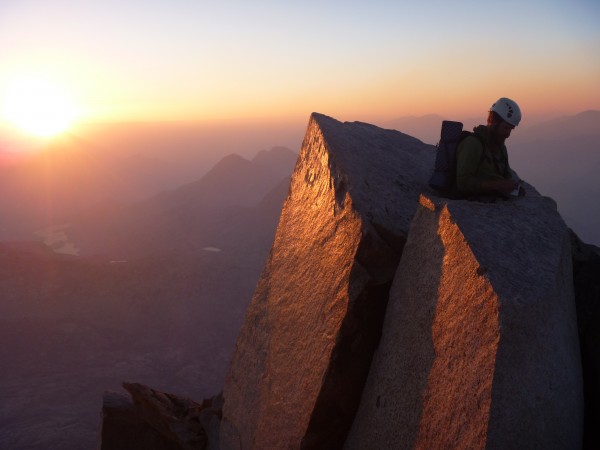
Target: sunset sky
x,y
354,60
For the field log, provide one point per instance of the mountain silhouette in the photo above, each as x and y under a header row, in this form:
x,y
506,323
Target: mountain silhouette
x,y
188,218
581,124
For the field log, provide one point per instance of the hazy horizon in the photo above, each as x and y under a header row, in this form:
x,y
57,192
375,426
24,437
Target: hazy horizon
x,y
186,60
168,154
263,132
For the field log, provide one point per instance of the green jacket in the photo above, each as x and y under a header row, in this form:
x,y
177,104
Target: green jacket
x,y
471,169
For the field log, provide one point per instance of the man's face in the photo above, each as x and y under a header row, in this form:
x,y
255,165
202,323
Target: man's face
x,y
501,131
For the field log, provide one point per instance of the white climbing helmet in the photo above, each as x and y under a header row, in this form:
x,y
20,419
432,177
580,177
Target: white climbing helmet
x,y
508,110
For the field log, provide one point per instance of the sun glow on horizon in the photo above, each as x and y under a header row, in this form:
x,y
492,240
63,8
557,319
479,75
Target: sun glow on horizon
x,y
39,106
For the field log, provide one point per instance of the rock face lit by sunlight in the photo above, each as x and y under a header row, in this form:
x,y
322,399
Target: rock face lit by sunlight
x,y
479,348
441,359
305,347
479,345
386,317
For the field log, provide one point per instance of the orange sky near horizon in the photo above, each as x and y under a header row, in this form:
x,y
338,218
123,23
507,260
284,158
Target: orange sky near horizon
x,y
184,60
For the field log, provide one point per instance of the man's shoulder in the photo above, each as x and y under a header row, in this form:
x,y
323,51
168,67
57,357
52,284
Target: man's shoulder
x,y
474,137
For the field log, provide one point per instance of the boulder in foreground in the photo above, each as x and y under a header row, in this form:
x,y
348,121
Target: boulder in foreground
x,y
306,344
479,347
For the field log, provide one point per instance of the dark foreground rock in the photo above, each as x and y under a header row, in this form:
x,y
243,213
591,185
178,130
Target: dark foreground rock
x,y
147,419
586,277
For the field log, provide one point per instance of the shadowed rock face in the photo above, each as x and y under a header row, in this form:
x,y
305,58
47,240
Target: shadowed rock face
x,y
586,271
305,348
479,348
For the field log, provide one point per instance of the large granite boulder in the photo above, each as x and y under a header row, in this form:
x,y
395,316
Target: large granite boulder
x,y
306,344
479,347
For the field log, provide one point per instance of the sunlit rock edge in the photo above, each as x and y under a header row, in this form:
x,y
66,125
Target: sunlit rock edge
x,y
523,298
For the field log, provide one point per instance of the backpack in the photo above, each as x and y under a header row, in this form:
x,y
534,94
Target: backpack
x,y
443,179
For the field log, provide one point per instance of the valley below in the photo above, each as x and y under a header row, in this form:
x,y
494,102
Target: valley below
x,y
151,292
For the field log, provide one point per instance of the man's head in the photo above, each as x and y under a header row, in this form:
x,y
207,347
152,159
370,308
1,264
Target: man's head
x,y
503,117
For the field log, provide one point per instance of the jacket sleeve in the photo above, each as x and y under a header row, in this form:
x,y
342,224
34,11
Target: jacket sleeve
x,y
468,157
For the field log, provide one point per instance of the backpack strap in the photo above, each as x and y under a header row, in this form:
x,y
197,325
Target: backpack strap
x,y
495,160
483,148
481,158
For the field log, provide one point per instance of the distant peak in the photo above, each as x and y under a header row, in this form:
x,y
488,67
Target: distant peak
x,y
278,151
228,164
232,160
590,113
233,157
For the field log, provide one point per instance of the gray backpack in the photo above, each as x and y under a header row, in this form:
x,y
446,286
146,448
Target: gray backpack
x,y
443,179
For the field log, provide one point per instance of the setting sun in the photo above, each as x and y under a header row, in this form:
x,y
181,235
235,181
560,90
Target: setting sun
x,y
39,107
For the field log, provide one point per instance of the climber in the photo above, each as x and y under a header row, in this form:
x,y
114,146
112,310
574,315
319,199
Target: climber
x,y
482,168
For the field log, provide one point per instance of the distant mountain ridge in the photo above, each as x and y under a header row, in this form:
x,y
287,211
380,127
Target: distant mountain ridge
x,y
427,127
192,216
562,158
582,124
235,180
